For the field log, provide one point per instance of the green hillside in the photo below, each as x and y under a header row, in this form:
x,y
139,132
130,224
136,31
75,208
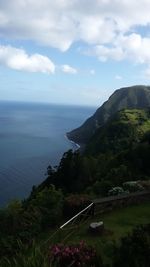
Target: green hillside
x,y
116,160
122,131
119,151
128,97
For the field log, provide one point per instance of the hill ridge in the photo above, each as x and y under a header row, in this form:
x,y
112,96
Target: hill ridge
x,y
137,96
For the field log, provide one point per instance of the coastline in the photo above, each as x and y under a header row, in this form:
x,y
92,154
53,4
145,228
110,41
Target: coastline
x,y
75,145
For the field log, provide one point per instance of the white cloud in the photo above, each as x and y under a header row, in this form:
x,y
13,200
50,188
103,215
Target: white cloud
x,y
96,29
109,29
60,23
103,53
134,47
130,47
18,59
68,69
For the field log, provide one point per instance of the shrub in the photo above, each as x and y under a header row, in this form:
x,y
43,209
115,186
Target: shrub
x,y
74,255
132,186
74,203
115,191
134,250
102,187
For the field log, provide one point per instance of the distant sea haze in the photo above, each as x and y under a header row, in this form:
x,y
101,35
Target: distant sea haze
x,y
33,136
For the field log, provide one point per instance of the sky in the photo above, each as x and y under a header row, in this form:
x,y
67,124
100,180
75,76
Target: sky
x,y
72,51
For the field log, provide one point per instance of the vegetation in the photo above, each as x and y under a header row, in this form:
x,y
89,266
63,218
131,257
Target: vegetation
x,y
134,250
125,129
74,203
135,97
73,174
74,255
21,222
118,225
114,161
119,152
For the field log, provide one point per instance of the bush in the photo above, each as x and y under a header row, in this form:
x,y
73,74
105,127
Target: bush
x,y
74,203
134,250
24,222
115,191
47,206
74,255
101,188
132,186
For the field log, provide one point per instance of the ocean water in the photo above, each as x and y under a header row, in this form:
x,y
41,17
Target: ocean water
x,y
32,136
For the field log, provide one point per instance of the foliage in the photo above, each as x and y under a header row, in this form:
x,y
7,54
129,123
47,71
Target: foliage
x,y
99,188
134,250
132,186
36,258
73,174
135,97
23,221
75,203
118,223
118,152
74,255
48,205
115,191
116,157
125,128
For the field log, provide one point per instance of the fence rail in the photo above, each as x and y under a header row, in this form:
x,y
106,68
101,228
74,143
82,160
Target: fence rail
x,y
77,215
98,207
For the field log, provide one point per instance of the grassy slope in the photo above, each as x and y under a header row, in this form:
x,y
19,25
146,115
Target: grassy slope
x,y
117,223
124,127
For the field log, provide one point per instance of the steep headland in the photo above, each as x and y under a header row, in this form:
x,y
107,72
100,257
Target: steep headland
x,y
128,97
123,130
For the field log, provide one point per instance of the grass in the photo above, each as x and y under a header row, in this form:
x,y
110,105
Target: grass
x,y
117,224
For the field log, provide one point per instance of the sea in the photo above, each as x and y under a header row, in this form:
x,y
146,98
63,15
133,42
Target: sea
x,y
32,137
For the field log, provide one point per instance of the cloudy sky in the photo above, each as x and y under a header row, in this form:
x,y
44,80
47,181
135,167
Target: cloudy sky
x,y
72,51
